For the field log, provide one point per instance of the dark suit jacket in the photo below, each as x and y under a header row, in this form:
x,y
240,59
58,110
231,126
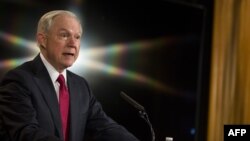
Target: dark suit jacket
x,y
30,112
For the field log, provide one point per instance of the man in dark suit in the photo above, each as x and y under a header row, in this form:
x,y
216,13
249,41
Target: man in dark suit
x,y
32,107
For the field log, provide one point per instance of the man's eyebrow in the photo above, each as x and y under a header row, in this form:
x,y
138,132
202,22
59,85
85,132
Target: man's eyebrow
x,y
63,29
66,30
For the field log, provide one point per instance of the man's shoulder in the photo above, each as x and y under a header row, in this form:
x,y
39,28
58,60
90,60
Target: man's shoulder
x,y
76,77
78,81
25,67
20,73
28,66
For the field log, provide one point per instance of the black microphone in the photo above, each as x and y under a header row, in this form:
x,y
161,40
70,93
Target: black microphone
x,y
141,110
132,102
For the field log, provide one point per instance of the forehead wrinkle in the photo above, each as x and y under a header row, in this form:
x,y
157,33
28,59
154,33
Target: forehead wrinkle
x,y
69,31
67,21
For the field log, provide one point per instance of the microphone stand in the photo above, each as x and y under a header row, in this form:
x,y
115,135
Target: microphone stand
x,y
142,112
144,115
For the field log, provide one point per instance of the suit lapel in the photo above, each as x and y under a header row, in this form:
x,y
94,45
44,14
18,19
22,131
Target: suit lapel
x,y
74,105
48,91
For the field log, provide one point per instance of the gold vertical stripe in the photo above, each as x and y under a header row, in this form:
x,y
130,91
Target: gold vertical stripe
x,y
230,67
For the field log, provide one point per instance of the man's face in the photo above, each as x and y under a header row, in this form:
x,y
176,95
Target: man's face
x,y
63,42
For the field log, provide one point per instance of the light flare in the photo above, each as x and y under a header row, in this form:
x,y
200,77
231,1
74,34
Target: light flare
x,y
92,58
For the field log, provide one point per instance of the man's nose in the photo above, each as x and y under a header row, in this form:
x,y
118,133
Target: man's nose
x,y
73,41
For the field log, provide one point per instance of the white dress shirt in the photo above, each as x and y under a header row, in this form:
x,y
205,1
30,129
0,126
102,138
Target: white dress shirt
x,y
53,73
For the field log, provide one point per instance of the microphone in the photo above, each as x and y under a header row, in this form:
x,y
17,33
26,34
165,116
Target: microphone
x,y
141,110
132,102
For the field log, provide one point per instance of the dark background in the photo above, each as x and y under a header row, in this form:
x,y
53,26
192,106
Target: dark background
x,y
157,52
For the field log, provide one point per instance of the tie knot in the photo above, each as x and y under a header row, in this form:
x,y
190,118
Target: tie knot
x,y
61,79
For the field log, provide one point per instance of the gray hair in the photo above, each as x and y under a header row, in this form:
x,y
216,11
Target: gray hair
x,y
47,19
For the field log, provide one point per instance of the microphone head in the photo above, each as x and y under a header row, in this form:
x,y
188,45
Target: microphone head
x,y
132,101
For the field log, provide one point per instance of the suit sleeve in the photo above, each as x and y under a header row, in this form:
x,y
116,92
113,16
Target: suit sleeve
x,y
102,127
17,112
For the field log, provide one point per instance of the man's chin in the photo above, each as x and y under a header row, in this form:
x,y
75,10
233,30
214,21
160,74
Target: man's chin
x,y
67,65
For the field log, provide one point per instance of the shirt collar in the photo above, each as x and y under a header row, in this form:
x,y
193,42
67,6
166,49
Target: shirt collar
x,y
52,71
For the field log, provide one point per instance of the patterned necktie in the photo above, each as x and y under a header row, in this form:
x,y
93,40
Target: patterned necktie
x,y
64,105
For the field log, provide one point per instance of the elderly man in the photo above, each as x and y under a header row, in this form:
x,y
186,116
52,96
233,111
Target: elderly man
x,y
42,101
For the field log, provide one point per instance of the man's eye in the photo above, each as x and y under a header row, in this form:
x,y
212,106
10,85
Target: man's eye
x,y
78,37
63,35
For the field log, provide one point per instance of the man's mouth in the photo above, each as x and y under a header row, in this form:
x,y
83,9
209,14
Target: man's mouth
x,y
68,54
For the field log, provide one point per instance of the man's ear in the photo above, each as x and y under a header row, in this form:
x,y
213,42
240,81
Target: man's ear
x,y
41,39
